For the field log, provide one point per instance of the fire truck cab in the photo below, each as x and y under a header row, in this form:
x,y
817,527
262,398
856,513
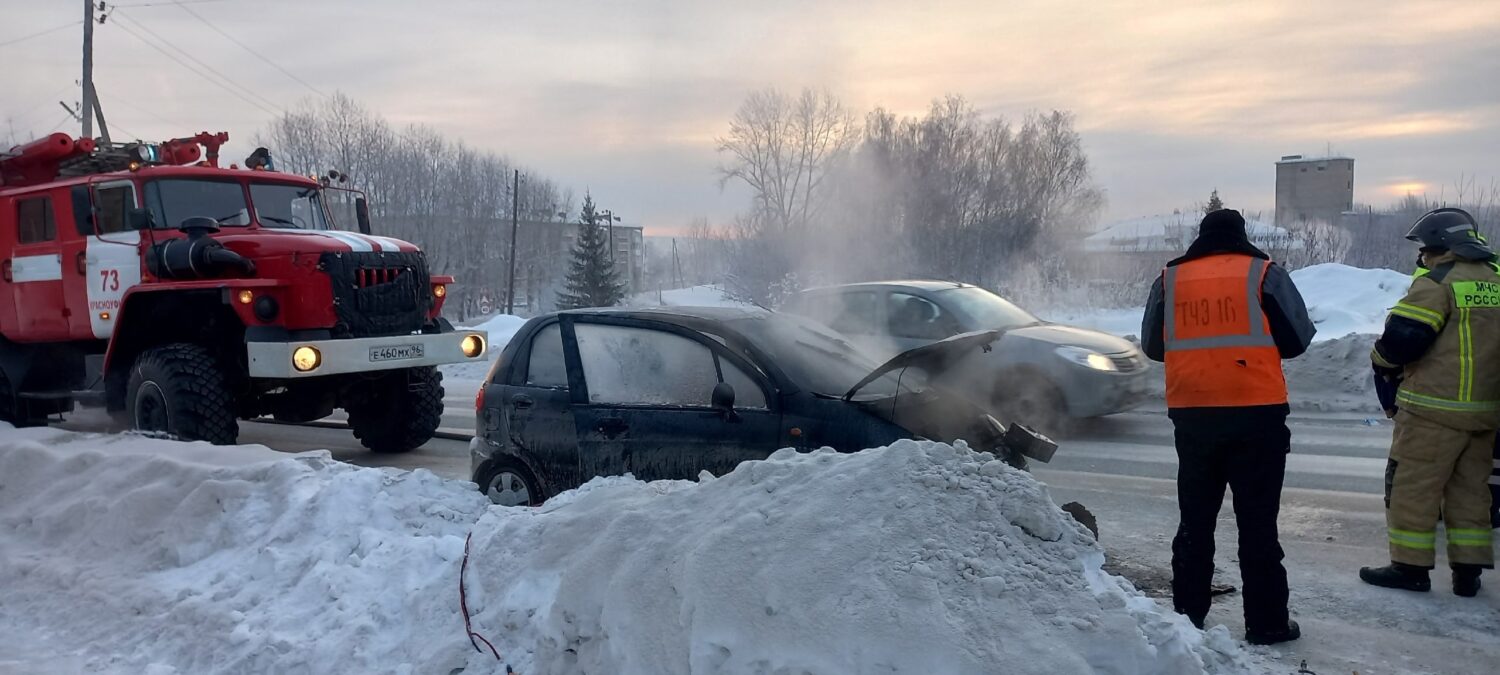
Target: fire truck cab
x,y
185,296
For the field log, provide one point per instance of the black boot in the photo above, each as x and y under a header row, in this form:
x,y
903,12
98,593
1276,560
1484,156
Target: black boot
x,y
1287,633
1397,575
1466,580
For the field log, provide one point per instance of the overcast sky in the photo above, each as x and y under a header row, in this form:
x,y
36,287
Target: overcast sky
x,y
1173,98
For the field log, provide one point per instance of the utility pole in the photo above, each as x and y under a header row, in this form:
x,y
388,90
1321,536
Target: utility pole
x,y
87,109
515,222
90,107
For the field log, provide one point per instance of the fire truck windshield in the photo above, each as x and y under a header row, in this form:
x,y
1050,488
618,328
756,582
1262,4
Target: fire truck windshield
x,y
277,205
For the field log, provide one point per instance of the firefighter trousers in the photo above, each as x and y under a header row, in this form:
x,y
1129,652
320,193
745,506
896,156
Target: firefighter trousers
x,y
1253,466
1435,471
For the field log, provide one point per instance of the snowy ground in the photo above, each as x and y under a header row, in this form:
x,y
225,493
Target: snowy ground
x,y
126,554
694,296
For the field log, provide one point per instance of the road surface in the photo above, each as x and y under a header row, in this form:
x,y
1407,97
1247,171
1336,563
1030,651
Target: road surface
x,y
1123,468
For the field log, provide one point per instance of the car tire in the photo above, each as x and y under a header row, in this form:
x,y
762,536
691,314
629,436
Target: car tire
x,y
508,482
398,412
179,389
1034,402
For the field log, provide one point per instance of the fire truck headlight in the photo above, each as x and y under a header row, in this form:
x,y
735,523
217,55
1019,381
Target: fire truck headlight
x,y
472,346
246,297
439,290
305,358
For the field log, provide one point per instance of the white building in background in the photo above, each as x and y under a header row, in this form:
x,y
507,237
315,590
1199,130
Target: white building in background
x,y
1151,236
1138,248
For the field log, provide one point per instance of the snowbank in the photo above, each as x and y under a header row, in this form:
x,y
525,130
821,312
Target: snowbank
x,y
138,555
124,554
918,558
1341,300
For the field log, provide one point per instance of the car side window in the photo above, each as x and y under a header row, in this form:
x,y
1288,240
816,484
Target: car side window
x,y
854,314
918,318
34,221
641,366
546,367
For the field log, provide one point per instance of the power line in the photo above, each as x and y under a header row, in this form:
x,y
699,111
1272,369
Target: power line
x,y
163,4
172,44
140,109
49,31
196,71
182,4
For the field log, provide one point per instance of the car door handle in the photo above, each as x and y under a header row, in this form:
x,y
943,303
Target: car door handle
x,y
611,426
521,402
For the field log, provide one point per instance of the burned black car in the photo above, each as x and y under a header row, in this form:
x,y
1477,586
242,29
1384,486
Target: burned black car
x,y
668,393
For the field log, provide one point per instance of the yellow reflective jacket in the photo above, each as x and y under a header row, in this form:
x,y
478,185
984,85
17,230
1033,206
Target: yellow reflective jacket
x,y
1456,383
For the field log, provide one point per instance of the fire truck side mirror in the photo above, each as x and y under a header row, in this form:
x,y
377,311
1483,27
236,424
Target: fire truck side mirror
x,y
139,219
362,214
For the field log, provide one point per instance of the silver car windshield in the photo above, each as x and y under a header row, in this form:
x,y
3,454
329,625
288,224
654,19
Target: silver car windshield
x,y
985,309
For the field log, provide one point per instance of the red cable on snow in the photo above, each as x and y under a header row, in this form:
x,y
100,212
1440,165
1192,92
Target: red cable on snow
x,y
463,605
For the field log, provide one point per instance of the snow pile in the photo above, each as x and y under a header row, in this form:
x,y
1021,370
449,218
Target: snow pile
x,y
1333,376
1341,300
129,554
124,554
501,328
918,558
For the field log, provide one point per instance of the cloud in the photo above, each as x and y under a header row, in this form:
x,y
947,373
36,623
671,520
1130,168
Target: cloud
x,y
627,97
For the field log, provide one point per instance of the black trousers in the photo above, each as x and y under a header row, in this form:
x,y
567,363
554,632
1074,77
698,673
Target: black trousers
x,y
1251,462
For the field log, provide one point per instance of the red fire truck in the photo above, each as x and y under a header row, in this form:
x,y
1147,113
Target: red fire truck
x,y
185,296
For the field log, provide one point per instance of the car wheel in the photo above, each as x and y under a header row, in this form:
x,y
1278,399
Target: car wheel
x,y
1036,403
511,484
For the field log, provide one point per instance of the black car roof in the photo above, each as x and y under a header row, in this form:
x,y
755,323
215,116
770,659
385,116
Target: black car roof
x,y
917,284
686,316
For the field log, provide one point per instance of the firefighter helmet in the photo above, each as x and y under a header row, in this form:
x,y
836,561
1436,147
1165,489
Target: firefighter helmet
x,y
1451,229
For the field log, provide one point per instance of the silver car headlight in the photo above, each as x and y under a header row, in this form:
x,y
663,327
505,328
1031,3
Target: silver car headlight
x,y
1087,358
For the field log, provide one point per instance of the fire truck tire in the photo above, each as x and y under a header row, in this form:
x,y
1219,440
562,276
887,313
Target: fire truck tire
x,y
179,389
400,413
14,410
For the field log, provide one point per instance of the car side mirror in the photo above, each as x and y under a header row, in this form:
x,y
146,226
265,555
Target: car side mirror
x,y
139,219
362,214
722,400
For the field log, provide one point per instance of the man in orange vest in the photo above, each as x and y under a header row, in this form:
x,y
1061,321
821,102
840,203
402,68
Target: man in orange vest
x,y
1222,317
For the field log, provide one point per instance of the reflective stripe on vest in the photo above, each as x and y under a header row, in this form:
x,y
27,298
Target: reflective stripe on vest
x,y
1218,344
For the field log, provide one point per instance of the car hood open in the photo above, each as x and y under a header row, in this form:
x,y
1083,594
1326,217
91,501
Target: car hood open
x,y
933,358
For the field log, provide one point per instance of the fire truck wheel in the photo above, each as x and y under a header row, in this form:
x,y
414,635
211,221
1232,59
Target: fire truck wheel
x,y
179,389
13,409
400,412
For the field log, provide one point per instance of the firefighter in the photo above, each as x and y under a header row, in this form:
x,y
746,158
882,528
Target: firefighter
x,y
1222,317
1436,339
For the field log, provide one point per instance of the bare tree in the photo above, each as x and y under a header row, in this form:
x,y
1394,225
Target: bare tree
x,y
784,149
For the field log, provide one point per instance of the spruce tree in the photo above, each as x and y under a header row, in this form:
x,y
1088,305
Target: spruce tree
x,y
1214,203
592,280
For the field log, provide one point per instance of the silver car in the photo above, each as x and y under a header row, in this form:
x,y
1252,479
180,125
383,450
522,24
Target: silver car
x,y
1046,373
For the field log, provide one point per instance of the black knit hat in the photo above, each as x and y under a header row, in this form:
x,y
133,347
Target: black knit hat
x,y
1223,223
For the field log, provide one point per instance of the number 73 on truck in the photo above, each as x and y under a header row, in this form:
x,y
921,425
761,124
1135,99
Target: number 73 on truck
x,y
185,296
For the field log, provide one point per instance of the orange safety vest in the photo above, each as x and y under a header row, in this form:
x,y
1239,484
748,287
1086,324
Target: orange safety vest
x,y
1219,350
